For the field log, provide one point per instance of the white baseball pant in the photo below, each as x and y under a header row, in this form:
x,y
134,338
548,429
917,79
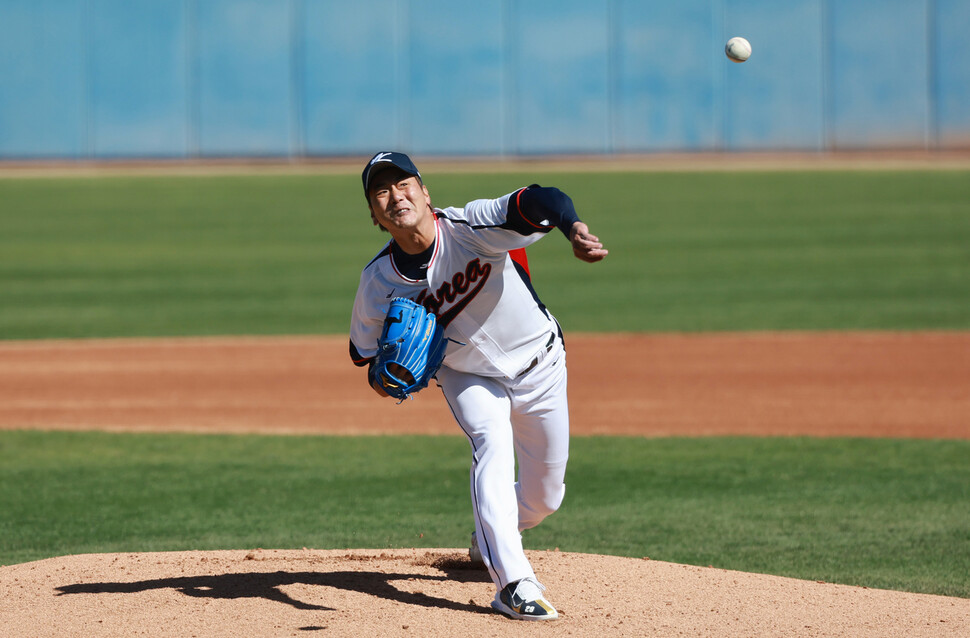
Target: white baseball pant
x,y
524,419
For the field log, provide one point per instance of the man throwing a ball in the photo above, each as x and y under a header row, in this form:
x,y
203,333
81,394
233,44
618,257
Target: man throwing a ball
x,y
504,370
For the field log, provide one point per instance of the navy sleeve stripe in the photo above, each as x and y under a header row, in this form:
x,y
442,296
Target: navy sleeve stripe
x,y
472,226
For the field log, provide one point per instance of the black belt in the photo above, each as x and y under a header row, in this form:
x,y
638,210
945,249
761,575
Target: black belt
x,y
535,362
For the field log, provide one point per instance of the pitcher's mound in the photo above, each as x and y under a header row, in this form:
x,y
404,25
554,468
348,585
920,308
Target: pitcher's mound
x,y
420,592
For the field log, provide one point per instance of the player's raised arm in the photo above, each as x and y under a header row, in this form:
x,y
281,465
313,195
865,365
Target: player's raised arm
x,y
547,207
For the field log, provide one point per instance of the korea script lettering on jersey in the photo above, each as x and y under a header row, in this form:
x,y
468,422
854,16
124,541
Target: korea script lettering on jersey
x,y
482,297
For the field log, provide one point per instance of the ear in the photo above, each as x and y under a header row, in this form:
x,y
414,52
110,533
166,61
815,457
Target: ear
x,y
373,219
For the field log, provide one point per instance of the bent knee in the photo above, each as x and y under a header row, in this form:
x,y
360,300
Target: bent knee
x,y
552,500
533,508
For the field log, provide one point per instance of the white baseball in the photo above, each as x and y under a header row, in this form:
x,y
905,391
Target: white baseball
x,y
737,49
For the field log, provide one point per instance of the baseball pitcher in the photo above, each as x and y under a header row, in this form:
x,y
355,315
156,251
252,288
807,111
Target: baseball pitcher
x,y
449,298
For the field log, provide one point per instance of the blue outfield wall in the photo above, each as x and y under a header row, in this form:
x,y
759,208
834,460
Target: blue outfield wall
x,y
87,79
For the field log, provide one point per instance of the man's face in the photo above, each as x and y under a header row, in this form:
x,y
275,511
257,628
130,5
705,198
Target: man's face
x,y
398,200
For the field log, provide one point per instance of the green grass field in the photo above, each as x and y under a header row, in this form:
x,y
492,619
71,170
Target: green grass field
x,y
880,513
151,256
155,256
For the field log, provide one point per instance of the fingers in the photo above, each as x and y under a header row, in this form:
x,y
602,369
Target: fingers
x,y
591,255
586,246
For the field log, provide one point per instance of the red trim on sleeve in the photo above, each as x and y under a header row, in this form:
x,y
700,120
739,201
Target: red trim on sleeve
x,y
518,206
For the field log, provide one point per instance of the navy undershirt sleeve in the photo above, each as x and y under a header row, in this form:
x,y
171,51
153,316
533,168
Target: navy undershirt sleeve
x,y
538,209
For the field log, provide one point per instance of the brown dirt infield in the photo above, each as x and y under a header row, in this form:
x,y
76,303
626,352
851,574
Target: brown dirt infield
x,y
883,384
814,384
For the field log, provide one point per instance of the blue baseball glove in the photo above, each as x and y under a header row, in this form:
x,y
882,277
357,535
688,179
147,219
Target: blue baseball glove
x,y
410,350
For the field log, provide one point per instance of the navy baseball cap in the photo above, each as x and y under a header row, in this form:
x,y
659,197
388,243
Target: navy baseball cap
x,y
386,159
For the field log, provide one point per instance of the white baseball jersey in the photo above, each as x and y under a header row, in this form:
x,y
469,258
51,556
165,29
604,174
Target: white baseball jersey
x,y
482,297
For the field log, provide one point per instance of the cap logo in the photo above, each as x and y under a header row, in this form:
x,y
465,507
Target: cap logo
x,y
380,157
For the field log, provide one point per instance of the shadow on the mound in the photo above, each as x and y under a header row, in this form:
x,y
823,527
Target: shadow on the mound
x,y
267,585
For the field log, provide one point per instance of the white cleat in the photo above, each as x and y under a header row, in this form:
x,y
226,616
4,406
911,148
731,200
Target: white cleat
x,y
523,600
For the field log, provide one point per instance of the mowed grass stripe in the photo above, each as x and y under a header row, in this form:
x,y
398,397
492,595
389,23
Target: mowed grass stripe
x,y
873,512
154,256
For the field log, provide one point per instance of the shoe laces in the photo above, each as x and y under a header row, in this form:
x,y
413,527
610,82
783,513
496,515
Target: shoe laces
x,y
529,589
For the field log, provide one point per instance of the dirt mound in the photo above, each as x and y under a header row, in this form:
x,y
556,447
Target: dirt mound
x,y
436,593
